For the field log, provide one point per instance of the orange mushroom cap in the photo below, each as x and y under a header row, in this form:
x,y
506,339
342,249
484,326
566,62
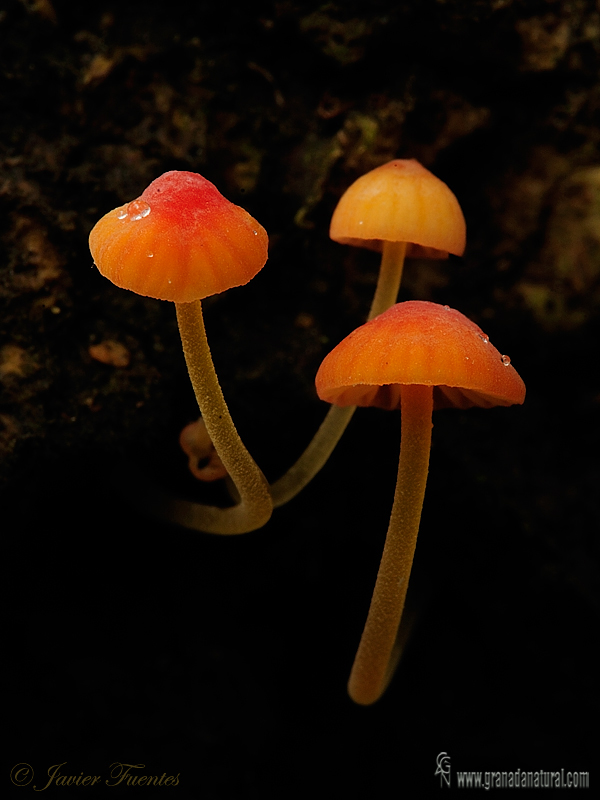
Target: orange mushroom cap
x,y
401,201
422,343
181,240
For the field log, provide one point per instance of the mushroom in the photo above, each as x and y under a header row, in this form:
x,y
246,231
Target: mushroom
x,y
203,460
417,356
399,209
182,241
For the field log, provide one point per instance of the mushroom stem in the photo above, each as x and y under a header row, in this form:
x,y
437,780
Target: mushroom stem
x,y
390,275
336,420
314,457
374,662
255,506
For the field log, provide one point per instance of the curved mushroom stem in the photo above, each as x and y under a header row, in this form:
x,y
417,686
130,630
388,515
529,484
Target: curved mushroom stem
x,y
255,506
333,426
374,663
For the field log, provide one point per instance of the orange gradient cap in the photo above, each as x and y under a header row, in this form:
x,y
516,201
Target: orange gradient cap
x,y
422,343
181,240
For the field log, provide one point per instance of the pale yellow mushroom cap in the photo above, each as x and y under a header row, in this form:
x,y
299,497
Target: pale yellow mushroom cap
x,y
401,201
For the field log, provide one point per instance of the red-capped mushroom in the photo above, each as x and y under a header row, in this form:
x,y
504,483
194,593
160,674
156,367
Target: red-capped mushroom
x,y
181,240
399,209
416,356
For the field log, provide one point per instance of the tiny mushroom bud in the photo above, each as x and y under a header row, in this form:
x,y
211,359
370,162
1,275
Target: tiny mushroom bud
x,y
181,240
399,208
417,356
203,460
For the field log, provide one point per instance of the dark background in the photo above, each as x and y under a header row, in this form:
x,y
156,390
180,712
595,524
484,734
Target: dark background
x,y
225,659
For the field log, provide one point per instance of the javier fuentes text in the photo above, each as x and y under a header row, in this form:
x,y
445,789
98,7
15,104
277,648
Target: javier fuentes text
x,y
120,773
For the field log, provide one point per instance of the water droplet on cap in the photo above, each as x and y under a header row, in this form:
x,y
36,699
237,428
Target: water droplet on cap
x,y
447,308
483,338
505,360
122,214
138,209
150,255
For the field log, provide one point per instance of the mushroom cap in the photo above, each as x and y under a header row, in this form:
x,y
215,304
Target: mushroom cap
x,y
422,343
181,240
401,201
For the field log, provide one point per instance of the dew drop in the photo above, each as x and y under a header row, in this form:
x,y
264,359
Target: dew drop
x,y
505,360
483,338
122,214
447,308
150,255
138,209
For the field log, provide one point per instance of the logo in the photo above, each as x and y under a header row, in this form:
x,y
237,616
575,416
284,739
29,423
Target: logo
x,y
443,768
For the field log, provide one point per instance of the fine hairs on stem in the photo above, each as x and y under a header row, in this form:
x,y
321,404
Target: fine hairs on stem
x,y
255,506
374,664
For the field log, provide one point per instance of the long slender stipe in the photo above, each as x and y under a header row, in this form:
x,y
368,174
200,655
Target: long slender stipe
x,y
374,662
255,506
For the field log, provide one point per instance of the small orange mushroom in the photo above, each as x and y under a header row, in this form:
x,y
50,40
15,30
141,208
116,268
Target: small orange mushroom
x,y
181,240
417,356
399,208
